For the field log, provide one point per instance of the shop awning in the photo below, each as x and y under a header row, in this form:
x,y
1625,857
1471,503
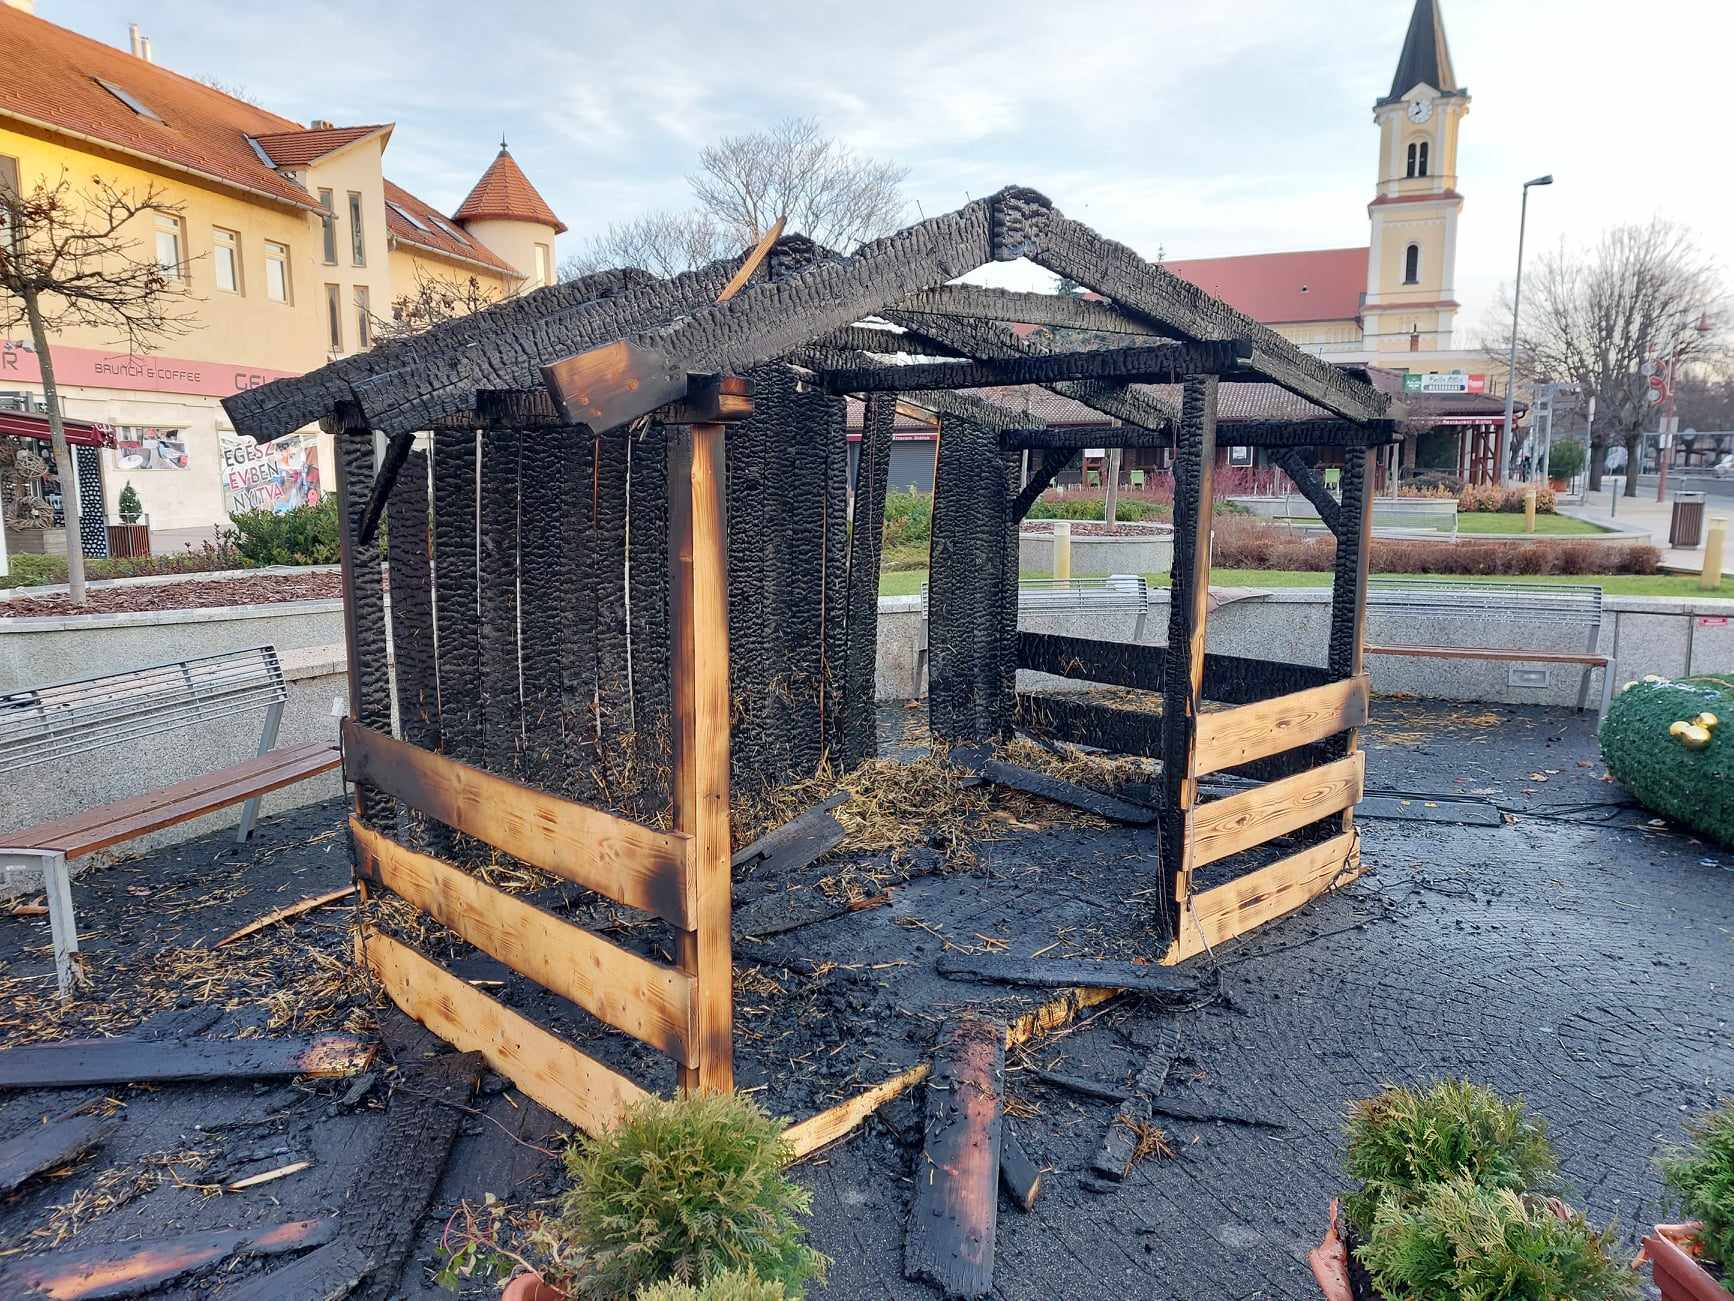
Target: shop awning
x,y
29,424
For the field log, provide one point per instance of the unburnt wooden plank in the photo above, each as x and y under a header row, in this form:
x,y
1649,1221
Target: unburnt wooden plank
x,y
630,864
1020,1176
77,1062
1092,973
123,1269
1227,826
47,1146
550,1070
1241,905
1232,737
950,1239
649,1001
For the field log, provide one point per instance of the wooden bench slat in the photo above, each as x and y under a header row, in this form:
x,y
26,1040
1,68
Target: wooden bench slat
x,y
109,824
1488,653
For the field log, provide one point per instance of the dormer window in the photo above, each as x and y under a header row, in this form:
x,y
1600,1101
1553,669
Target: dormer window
x,y
1412,265
129,99
1417,158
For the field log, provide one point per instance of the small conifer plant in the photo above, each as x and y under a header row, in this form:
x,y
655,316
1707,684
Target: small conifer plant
x,y
1403,1140
1458,1238
131,508
730,1285
683,1191
1701,1176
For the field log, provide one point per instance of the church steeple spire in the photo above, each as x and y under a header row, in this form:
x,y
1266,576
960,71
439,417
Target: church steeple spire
x,y
1426,56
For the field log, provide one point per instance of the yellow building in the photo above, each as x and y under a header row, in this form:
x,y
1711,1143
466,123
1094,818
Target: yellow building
x,y
291,243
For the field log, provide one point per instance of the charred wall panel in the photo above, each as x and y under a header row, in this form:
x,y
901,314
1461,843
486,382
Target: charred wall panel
x,y
648,572
456,612
542,508
502,714
867,534
370,665
578,581
412,617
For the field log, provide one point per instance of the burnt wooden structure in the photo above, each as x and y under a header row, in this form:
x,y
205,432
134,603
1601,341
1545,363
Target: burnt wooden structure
x,y
624,577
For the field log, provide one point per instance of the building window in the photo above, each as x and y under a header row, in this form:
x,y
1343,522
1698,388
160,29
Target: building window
x,y
357,245
363,319
8,189
226,259
277,286
328,224
168,234
1417,158
334,316
1412,265
543,258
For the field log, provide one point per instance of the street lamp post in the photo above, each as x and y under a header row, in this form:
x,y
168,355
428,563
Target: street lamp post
x,y
1516,307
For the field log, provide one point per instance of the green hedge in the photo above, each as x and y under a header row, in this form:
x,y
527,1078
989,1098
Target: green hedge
x,y
1693,787
306,535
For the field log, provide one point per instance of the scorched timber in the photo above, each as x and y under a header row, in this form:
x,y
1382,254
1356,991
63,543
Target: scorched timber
x,y
44,1147
80,1062
1163,363
1059,973
1011,776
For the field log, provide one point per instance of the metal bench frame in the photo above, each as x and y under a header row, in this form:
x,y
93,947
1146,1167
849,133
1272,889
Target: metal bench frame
x,y
1526,604
1130,592
61,720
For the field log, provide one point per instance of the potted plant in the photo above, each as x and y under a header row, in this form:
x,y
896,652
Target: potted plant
x,y
1701,1176
1453,1201
686,1195
1565,460
130,537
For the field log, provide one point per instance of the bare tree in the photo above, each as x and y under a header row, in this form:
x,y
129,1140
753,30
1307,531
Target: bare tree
x,y
1706,400
744,183
233,89
829,192
433,300
662,243
1595,318
68,259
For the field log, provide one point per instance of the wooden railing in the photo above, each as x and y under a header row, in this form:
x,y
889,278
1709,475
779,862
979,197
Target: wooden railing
x,y
1216,829
637,866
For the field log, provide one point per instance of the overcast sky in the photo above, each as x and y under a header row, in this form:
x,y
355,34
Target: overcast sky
x,y
1194,130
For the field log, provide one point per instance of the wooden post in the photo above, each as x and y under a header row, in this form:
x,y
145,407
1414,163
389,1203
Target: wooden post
x,y
364,634
1710,577
1062,548
1111,505
1529,510
699,634
1349,584
1194,481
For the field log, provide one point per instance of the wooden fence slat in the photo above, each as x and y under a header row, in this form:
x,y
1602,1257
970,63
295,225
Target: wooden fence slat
x,y
633,865
1231,737
1248,902
1227,826
649,1001
572,1085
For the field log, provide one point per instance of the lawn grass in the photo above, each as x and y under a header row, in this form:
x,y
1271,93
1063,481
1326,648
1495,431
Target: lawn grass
x,y
908,582
1497,521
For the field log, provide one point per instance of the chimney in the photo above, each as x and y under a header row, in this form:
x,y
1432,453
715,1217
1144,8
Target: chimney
x,y
145,44
132,35
319,124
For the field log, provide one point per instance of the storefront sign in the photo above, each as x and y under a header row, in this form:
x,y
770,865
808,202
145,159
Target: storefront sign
x,y
275,476
94,368
1451,381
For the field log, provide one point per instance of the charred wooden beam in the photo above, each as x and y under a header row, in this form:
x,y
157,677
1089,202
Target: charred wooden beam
x,y
1064,973
544,503
1084,722
364,601
1306,479
1070,248
501,705
409,554
54,1143
798,841
1232,679
123,1269
1075,438
789,910
1040,784
1164,363
457,610
396,453
1120,1146
81,1062
857,737
950,1238
1053,461
1020,1176
884,343
647,619
1066,311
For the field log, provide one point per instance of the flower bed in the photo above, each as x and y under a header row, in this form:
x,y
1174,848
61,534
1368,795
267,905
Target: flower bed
x,y
1243,544
260,589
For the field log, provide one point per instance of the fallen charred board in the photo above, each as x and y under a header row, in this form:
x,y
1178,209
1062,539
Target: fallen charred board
x,y
1120,1146
1171,1110
130,1268
285,913
78,1062
1021,1177
1056,973
950,1239
44,1147
384,1207
1032,782
798,841
789,910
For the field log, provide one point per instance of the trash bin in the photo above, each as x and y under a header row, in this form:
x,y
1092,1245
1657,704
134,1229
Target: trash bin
x,y
1686,527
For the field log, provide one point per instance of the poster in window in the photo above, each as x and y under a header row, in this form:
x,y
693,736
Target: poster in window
x,y
277,476
1240,456
146,448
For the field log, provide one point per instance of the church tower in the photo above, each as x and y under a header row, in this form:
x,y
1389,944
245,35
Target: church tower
x,y
1411,262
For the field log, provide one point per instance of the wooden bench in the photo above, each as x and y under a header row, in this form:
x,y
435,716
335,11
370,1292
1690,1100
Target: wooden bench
x,y
1518,605
46,724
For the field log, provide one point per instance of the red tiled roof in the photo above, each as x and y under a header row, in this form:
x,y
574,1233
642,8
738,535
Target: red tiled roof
x,y
505,194
298,148
48,76
433,235
1323,284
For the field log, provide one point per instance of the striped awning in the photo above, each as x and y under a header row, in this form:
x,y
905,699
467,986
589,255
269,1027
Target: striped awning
x,y
29,424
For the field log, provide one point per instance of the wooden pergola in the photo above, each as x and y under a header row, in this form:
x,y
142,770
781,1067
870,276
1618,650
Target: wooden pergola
x,y
626,478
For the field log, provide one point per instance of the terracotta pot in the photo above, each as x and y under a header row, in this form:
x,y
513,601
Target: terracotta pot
x,y
1677,1274
530,1287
